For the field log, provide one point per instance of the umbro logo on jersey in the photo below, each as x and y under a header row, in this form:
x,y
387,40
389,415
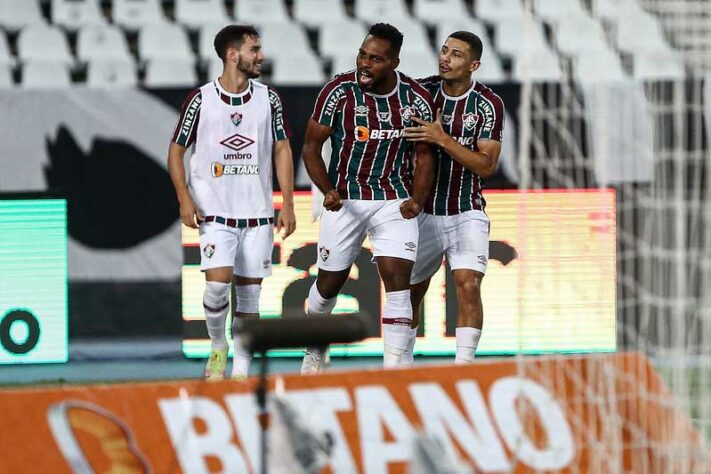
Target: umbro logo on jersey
x,y
237,142
361,110
384,116
470,120
236,118
447,119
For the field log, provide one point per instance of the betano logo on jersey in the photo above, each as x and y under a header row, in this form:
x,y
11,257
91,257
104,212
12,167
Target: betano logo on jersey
x,y
218,169
363,134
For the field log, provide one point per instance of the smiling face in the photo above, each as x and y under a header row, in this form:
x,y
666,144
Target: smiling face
x,y
248,58
375,63
456,61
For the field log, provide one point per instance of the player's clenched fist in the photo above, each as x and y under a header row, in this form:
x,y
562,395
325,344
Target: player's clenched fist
x,y
332,201
410,209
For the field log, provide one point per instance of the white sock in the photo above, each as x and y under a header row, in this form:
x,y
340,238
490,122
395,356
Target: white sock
x,y
397,318
216,303
467,342
409,357
317,306
247,303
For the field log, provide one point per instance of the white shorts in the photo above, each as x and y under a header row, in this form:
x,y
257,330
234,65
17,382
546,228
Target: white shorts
x,y
248,250
463,238
342,233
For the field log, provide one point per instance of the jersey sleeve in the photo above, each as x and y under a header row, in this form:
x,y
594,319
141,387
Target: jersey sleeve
x,y
328,103
422,100
280,126
186,128
491,112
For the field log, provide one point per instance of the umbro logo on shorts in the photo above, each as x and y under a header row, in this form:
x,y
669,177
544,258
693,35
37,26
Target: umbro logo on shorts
x,y
209,250
323,252
410,246
482,259
266,263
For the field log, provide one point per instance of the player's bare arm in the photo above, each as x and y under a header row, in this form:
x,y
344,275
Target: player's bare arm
x,y
189,213
316,136
482,162
421,181
284,167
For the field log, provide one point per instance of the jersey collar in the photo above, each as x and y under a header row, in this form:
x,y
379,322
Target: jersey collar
x,y
234,99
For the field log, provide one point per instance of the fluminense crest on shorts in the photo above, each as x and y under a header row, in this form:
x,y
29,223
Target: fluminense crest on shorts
x,y
470,120
361,110
323,252
236,118
209,250
384,116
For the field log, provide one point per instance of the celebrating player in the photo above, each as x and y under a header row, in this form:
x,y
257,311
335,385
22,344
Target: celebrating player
x,y
369,187
234,123
467,132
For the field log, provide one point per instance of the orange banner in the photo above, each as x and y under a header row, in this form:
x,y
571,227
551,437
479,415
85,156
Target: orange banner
x,y
601,413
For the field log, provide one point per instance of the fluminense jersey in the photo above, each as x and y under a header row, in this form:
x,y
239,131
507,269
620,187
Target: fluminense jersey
x,y
370,159
233,136
478,114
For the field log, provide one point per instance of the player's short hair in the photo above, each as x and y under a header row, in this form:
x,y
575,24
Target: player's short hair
x,y
388,32
232,36
474,42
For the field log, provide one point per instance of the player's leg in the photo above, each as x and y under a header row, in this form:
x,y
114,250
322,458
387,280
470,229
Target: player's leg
x,y
468,257
217,250
253,263
341,235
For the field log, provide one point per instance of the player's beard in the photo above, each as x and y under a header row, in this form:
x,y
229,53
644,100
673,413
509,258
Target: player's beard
x,y
248,69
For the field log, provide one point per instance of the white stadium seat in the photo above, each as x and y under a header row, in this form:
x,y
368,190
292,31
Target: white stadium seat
x,y
16,14
517,37
432,12
342,38
414,37
73,14
111,73
261,11
658,66
598,66
537,66
375,11
494,10
640,33
447,27
297,70
417,65
165,41
580,34
102,42
610,10
555,10
214,69
45,75
206,41
134,14
196,13
343,63
6,81
43,43
170,73
283,39
490,71
315,13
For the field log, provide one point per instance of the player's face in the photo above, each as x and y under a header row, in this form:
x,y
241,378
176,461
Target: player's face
x,y
250,57
374,63
455,60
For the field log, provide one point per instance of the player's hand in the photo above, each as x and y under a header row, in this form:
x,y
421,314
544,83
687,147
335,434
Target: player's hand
x,y
410,209
286,220
428,132
332,201
189,213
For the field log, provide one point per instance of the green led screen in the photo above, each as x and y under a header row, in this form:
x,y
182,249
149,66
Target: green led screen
x,y
33,280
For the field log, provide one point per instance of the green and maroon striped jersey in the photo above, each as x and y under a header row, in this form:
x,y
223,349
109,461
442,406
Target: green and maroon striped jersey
x,y
478,114
370,159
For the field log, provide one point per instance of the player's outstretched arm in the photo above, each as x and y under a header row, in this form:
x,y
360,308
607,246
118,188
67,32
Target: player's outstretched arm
x,y
316,136
285,175
189,214
421,181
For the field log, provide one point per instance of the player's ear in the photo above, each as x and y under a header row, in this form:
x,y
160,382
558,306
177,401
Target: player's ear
x,y
474,66
396,62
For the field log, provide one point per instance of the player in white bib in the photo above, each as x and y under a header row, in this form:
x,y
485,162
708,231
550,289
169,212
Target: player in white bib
x,y
234,124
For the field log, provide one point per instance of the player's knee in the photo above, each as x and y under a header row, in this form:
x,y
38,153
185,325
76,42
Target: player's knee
x,y
216,295
247,298
469,288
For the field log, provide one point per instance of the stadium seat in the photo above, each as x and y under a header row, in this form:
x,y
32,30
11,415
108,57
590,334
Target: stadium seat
x,y
43,43
598,66
164,41
16,14
133,14
417,65
283,39
374,11
553,11
579,34
447,27
343,63
206,41
297,70
432,12
493,11
214,68
101,42
110,73
315,13
639,33
196,13
610,10
658,66
342,38
415,37
170,73
261,11
73,14
537,66
45,75
6,81
490,71
517,37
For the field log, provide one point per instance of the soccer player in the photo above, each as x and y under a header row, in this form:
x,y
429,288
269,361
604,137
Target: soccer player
x,y
467,133
233,123
369,188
